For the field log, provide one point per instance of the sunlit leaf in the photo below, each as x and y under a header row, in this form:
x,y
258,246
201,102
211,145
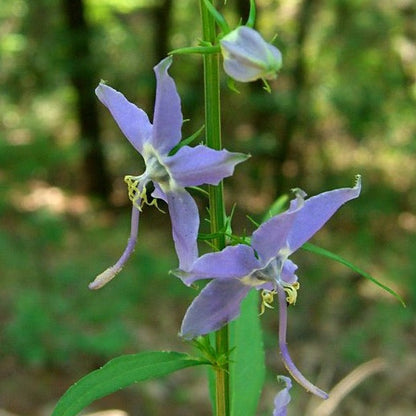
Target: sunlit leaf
x,y
119,373
278,206
323,252
247,369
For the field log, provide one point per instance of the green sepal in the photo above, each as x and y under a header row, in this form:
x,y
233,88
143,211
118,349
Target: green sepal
x,y
119,373
323,252
266,86
231,85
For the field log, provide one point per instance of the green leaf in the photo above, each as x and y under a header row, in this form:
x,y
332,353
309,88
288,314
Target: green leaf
x,y
278,206
247,369
119,373
323,252
203,50
219,18
201,191
252,14
187,141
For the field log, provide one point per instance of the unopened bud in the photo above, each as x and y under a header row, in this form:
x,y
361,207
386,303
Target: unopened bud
x,y
248,57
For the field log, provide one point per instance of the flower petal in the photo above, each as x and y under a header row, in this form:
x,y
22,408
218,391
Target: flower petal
x,y
158,193
133,121
282,398
245,42
316,211
272,235
167,119
300,222
288,272
193,166
185,223
232,262
217,304
241,73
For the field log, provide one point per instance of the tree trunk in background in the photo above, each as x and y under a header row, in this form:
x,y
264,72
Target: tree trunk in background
x,y
294,118
84,79
162,18
297,116
408,15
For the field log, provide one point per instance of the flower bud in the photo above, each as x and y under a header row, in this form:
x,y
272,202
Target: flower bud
x,y
248,57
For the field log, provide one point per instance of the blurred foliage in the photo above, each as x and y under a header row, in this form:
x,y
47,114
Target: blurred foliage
x,y
343,104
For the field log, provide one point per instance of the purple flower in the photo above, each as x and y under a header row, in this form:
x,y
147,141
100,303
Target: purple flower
x,y
264,265
282,399
248,57
170,174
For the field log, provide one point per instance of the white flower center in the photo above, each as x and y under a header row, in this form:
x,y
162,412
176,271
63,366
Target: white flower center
x,y
156,170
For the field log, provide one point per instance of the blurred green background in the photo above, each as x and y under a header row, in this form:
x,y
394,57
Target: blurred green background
x,y
344,103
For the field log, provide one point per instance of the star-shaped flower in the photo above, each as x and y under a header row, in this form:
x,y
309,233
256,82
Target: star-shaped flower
x,y
263,265
169,173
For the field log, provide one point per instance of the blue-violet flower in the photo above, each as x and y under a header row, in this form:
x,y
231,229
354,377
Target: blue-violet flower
x,y
264,265
170,174
248,57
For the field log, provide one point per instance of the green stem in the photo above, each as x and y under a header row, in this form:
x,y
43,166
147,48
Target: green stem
x,y
216,196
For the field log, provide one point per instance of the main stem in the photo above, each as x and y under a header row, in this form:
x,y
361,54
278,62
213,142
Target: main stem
x,y
216,195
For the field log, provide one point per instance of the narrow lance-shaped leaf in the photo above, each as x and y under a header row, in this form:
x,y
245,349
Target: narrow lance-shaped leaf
x,y
323,252
119,373
247,367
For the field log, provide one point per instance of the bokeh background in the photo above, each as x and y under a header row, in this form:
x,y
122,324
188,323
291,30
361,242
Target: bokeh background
x,y
344,103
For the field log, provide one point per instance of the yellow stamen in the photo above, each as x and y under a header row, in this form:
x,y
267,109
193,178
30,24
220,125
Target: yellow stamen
x,y
134,193
137,197
267,296
266,301
292,292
